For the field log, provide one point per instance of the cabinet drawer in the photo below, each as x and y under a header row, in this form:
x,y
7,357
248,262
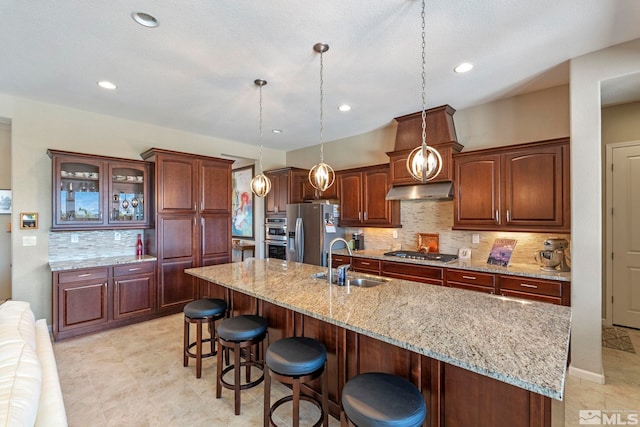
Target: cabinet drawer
x,y
534,286
83,275
337,260
366,264
471,277
416,273
135,268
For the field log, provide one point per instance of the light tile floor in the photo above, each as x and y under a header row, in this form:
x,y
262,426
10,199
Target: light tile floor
x,y
133,376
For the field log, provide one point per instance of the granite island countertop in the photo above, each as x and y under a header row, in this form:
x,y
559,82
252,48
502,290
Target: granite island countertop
x,y
98,262
523,343
527,270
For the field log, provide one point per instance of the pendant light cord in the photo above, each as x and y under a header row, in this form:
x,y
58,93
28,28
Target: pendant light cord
x,y
424,78
321,107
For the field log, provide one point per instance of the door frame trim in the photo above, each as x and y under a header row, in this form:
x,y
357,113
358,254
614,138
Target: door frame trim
x,y
608,227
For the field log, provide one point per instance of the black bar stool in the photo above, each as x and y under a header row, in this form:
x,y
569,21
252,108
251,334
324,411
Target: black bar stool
x,y
382,400
201,311
240,333
295,361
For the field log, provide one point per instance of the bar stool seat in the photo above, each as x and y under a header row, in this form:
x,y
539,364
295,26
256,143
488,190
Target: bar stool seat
x,y
382,400
294,361
238,333
206,310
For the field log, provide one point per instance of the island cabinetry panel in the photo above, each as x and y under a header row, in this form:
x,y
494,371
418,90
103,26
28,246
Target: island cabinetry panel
x,y
516,188
287,186
97,192
471,280
554,292
92,299
361,194
193,221
416,273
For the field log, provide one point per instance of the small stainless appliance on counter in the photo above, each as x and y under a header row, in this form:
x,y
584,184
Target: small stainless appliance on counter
x,y
275,238
310,228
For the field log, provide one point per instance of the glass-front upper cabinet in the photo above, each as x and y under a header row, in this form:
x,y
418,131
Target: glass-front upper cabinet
x,y
127,183
97,192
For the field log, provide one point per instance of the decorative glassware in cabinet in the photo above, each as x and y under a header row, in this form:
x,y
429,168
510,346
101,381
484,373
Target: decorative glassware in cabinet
x,y
127,198
79,197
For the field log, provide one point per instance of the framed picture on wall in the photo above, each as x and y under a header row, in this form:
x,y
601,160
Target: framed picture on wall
x,y
5,201
242,203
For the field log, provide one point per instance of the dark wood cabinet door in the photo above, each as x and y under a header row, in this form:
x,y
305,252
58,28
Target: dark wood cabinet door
x,y
350,196
533,187
176,184
477,191
133,296
375,185
215,186
82,305
215,238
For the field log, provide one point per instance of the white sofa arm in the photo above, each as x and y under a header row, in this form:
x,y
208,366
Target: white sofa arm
x,y
51,412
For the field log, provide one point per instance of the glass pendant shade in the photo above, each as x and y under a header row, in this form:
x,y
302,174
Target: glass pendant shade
x,y
424,163
321,176
260,185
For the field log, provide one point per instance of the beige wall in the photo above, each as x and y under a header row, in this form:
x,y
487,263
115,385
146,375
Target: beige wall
x,y
38,126
5,220
587,72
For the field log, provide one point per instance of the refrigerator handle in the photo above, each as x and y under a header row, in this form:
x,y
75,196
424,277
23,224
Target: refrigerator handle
x,y
299,240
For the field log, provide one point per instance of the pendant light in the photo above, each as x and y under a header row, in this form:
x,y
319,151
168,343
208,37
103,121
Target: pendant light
x,y
321,176
424,163
260,184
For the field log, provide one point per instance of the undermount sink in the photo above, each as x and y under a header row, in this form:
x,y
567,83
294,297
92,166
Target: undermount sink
x,y
363,281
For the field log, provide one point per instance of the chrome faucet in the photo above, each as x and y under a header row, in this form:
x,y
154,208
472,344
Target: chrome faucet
x,y
329,269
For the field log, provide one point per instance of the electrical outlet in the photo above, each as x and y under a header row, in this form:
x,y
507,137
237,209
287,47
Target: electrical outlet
x,y
116,236
29,240
475,238
74,238
395,234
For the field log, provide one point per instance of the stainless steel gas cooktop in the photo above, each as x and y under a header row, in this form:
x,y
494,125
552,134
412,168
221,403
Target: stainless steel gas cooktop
x,y
423,256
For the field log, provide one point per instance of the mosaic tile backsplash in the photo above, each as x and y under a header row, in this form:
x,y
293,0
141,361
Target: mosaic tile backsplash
x,y
419,216
92,244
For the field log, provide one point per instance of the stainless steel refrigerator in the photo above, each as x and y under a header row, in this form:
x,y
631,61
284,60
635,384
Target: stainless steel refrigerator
x,y
310,229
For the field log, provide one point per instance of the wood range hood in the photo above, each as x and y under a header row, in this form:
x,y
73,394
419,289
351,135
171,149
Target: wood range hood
x,y
441,135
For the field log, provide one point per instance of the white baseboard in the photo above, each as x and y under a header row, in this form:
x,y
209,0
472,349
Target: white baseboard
x,y
587,375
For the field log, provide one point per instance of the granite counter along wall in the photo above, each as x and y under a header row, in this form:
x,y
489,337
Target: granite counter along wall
x,y
419,216
91,244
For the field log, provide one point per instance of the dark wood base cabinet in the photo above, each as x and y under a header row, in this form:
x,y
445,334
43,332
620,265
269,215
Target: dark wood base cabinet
x,y
92,299
454,396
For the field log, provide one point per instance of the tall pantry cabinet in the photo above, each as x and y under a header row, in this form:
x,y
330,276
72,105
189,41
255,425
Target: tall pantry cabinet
x,y
193,221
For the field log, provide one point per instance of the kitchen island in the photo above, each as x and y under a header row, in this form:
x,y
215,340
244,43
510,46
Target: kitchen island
x,y
478,359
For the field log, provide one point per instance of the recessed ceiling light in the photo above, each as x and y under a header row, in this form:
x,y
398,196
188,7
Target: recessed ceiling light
x,y
145,19
344,107
277,131
463,68
106,85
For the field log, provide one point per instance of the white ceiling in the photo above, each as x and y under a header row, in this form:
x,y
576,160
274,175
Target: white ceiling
x,y
196,70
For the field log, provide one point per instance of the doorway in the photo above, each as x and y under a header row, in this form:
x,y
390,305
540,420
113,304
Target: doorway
x,y
623,234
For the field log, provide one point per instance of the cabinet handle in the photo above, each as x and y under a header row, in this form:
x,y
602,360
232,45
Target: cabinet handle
x,y
134,269
469,277
508,216
85,275
526,285
497,216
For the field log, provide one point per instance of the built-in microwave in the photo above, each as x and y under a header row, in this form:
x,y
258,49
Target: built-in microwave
x,y
275,229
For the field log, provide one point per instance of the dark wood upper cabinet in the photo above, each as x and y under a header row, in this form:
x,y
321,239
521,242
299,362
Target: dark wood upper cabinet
x,y
361,193
516,188
97,192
